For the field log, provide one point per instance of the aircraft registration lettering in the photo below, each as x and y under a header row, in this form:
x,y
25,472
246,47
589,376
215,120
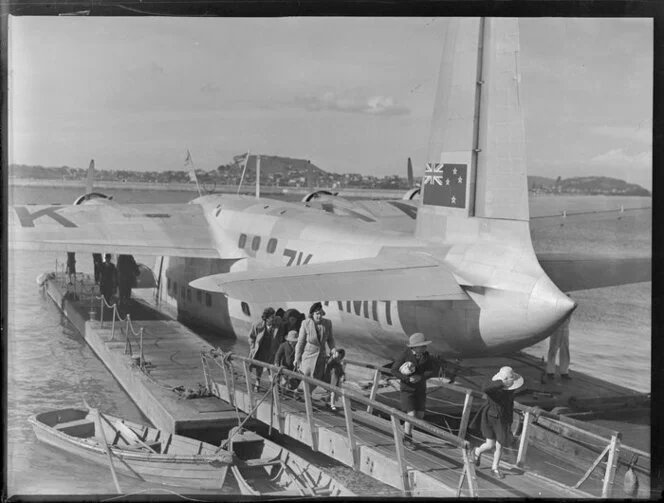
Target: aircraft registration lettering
x,y
291,254
27,219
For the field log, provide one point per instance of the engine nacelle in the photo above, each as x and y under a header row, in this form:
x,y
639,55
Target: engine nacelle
x,y
411,194
91,196
318,193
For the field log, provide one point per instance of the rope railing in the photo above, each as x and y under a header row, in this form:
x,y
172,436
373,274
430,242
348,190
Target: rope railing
x,y
129,329
226,362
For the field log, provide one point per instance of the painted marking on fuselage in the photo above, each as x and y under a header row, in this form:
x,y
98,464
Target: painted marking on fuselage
x,y
291,254
27,219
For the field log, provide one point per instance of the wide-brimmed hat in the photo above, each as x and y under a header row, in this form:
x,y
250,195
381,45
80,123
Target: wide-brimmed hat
x,y
507,373
316,306
418,340
291,336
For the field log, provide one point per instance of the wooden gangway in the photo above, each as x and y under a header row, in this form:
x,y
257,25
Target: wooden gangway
x,y
367,436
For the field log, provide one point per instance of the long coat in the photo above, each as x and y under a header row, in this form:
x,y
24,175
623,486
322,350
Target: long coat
x,y
260,341
310,349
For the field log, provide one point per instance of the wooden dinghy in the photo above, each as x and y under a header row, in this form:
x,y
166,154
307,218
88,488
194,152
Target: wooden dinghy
x,y
263,468
140,451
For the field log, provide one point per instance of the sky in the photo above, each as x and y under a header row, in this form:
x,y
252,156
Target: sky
x,y
350,94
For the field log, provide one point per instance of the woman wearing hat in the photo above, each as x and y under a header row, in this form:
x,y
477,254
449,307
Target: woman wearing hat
x,y
260,342
413,368
496,415
315,334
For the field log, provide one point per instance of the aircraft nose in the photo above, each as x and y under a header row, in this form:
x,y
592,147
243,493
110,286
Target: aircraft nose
x,y
547,305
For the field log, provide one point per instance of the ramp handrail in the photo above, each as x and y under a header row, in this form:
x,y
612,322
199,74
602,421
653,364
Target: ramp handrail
x,y
591,432
468,472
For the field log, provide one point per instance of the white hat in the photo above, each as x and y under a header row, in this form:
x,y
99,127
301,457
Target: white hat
x,y
505,374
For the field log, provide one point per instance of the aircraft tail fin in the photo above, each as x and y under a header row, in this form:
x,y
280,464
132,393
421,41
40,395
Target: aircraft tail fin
x,y
477,167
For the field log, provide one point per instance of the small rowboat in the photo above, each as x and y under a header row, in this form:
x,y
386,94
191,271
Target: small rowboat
x,y
140,451
263,468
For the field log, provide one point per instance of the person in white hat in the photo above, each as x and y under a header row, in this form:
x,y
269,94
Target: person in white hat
x,y
413,368
497,414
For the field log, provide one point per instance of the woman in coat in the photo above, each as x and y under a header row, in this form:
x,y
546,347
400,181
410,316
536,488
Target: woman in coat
x,y
260,342
315,334
497,415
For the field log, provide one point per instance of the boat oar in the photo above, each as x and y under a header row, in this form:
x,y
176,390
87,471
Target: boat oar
x,y
95,412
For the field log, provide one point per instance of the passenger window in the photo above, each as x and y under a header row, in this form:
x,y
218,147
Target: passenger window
x,y
245,309
256,243
242,241
271,245
208,300
199,296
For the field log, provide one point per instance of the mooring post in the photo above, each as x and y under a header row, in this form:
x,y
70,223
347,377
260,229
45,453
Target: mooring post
x,y
350,430
276,400
310,414
374,389
141,357
611,465
401,458
524,441
465,416
113,325
247,373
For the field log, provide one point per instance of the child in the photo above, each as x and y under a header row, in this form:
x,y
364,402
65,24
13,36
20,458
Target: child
x,y
335,373
285,357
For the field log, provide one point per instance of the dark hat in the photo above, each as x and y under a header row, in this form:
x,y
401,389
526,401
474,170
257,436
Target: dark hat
x,y
108,257
267,312
316,306
280,312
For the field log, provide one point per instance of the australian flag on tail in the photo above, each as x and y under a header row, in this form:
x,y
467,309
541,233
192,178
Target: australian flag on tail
x,y
445,185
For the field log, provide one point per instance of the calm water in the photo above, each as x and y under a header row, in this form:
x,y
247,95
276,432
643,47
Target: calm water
x,y
50,366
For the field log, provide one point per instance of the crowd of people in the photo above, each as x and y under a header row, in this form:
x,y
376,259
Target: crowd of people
x,y
303,344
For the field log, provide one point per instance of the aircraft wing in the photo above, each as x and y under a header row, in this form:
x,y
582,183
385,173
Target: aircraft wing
x,y
408,276
144,229
572,272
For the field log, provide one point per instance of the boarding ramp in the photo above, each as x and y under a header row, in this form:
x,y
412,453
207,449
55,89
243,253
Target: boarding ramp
x,y
575,453
367,435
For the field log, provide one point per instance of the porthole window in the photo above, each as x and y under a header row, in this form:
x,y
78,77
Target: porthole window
x,y
256,243
208,300
242,241
272,245
199,296
245,309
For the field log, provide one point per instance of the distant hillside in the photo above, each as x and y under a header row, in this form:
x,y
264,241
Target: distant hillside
x,y
289,172
602,184
536,181
273,165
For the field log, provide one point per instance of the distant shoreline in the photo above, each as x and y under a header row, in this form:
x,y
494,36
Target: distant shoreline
x,y
247,189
